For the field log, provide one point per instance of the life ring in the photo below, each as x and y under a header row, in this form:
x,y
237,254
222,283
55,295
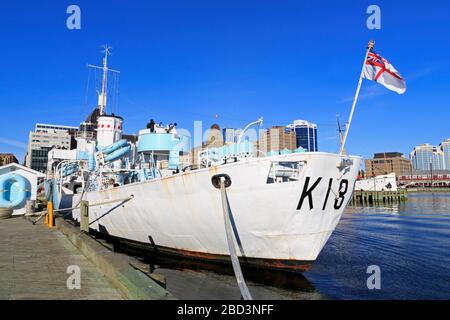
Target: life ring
x,y
13,190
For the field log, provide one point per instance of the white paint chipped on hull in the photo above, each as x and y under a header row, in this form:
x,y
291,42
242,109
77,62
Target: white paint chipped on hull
x,y
288,221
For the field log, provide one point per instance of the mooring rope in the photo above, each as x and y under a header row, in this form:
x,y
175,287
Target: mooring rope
x,y
43,213
245,293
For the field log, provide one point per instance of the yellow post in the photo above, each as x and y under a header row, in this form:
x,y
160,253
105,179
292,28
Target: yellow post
x,y
50,218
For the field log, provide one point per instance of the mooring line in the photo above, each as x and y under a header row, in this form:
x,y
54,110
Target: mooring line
x,y
43,213
225,182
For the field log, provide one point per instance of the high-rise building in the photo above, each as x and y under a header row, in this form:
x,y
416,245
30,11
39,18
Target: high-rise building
x,y
43,139
444,147
388,162
306,135
7,158
215,140
276,139
426,157
231,135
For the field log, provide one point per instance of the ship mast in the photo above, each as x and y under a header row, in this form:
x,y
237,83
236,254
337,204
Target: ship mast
x,y
104,91
102,98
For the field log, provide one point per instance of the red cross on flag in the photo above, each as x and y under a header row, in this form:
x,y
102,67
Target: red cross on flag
x,y
380,70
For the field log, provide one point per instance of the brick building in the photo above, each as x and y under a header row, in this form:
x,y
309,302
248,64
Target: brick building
x,y
276,139
388,162
7,158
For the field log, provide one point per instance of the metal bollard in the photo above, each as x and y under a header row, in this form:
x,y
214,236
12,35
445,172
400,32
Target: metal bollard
x,y
30,206
84,216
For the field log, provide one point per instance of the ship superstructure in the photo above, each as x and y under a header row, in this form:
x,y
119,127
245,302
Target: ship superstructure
x,y
285,206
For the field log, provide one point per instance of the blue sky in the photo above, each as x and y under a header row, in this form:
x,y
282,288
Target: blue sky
x,y
182,61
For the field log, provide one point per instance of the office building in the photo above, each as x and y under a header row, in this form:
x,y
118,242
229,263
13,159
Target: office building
x,y
388,162
427,157
215,139
276,139
306,135
231,135
43,139
7,158
444,147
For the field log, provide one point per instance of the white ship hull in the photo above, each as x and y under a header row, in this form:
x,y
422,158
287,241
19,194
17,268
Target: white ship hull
x,y
182,214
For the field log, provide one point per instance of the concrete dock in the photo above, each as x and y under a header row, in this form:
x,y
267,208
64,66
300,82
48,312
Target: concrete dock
x,y
34,261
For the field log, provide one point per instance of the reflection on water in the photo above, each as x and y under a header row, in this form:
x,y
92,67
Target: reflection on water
x,y
409,241
279,279
193,280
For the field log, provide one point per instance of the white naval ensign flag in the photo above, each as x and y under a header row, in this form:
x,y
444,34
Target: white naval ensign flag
x,y
376,68
380,70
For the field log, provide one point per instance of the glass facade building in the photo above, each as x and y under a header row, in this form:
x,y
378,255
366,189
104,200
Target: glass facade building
x,y
426,157
231,135
39,159
444,147
306,135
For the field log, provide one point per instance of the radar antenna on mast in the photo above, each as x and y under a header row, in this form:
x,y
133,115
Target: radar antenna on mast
x,y
104,90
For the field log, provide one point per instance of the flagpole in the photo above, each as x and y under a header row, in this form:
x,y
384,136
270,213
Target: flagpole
x,y
347,127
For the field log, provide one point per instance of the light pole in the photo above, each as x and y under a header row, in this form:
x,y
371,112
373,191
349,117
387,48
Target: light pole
x,y
431,173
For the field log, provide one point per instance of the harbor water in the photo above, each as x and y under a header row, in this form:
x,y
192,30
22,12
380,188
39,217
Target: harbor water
x,y
409,242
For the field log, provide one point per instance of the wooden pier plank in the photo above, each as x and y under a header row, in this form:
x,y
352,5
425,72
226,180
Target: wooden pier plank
x,y
34,261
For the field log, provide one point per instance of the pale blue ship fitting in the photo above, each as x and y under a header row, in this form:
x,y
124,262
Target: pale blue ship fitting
x,y
115,146
118,153
14,190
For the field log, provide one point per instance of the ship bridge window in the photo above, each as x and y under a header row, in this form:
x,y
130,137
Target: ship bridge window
x,y
285,171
